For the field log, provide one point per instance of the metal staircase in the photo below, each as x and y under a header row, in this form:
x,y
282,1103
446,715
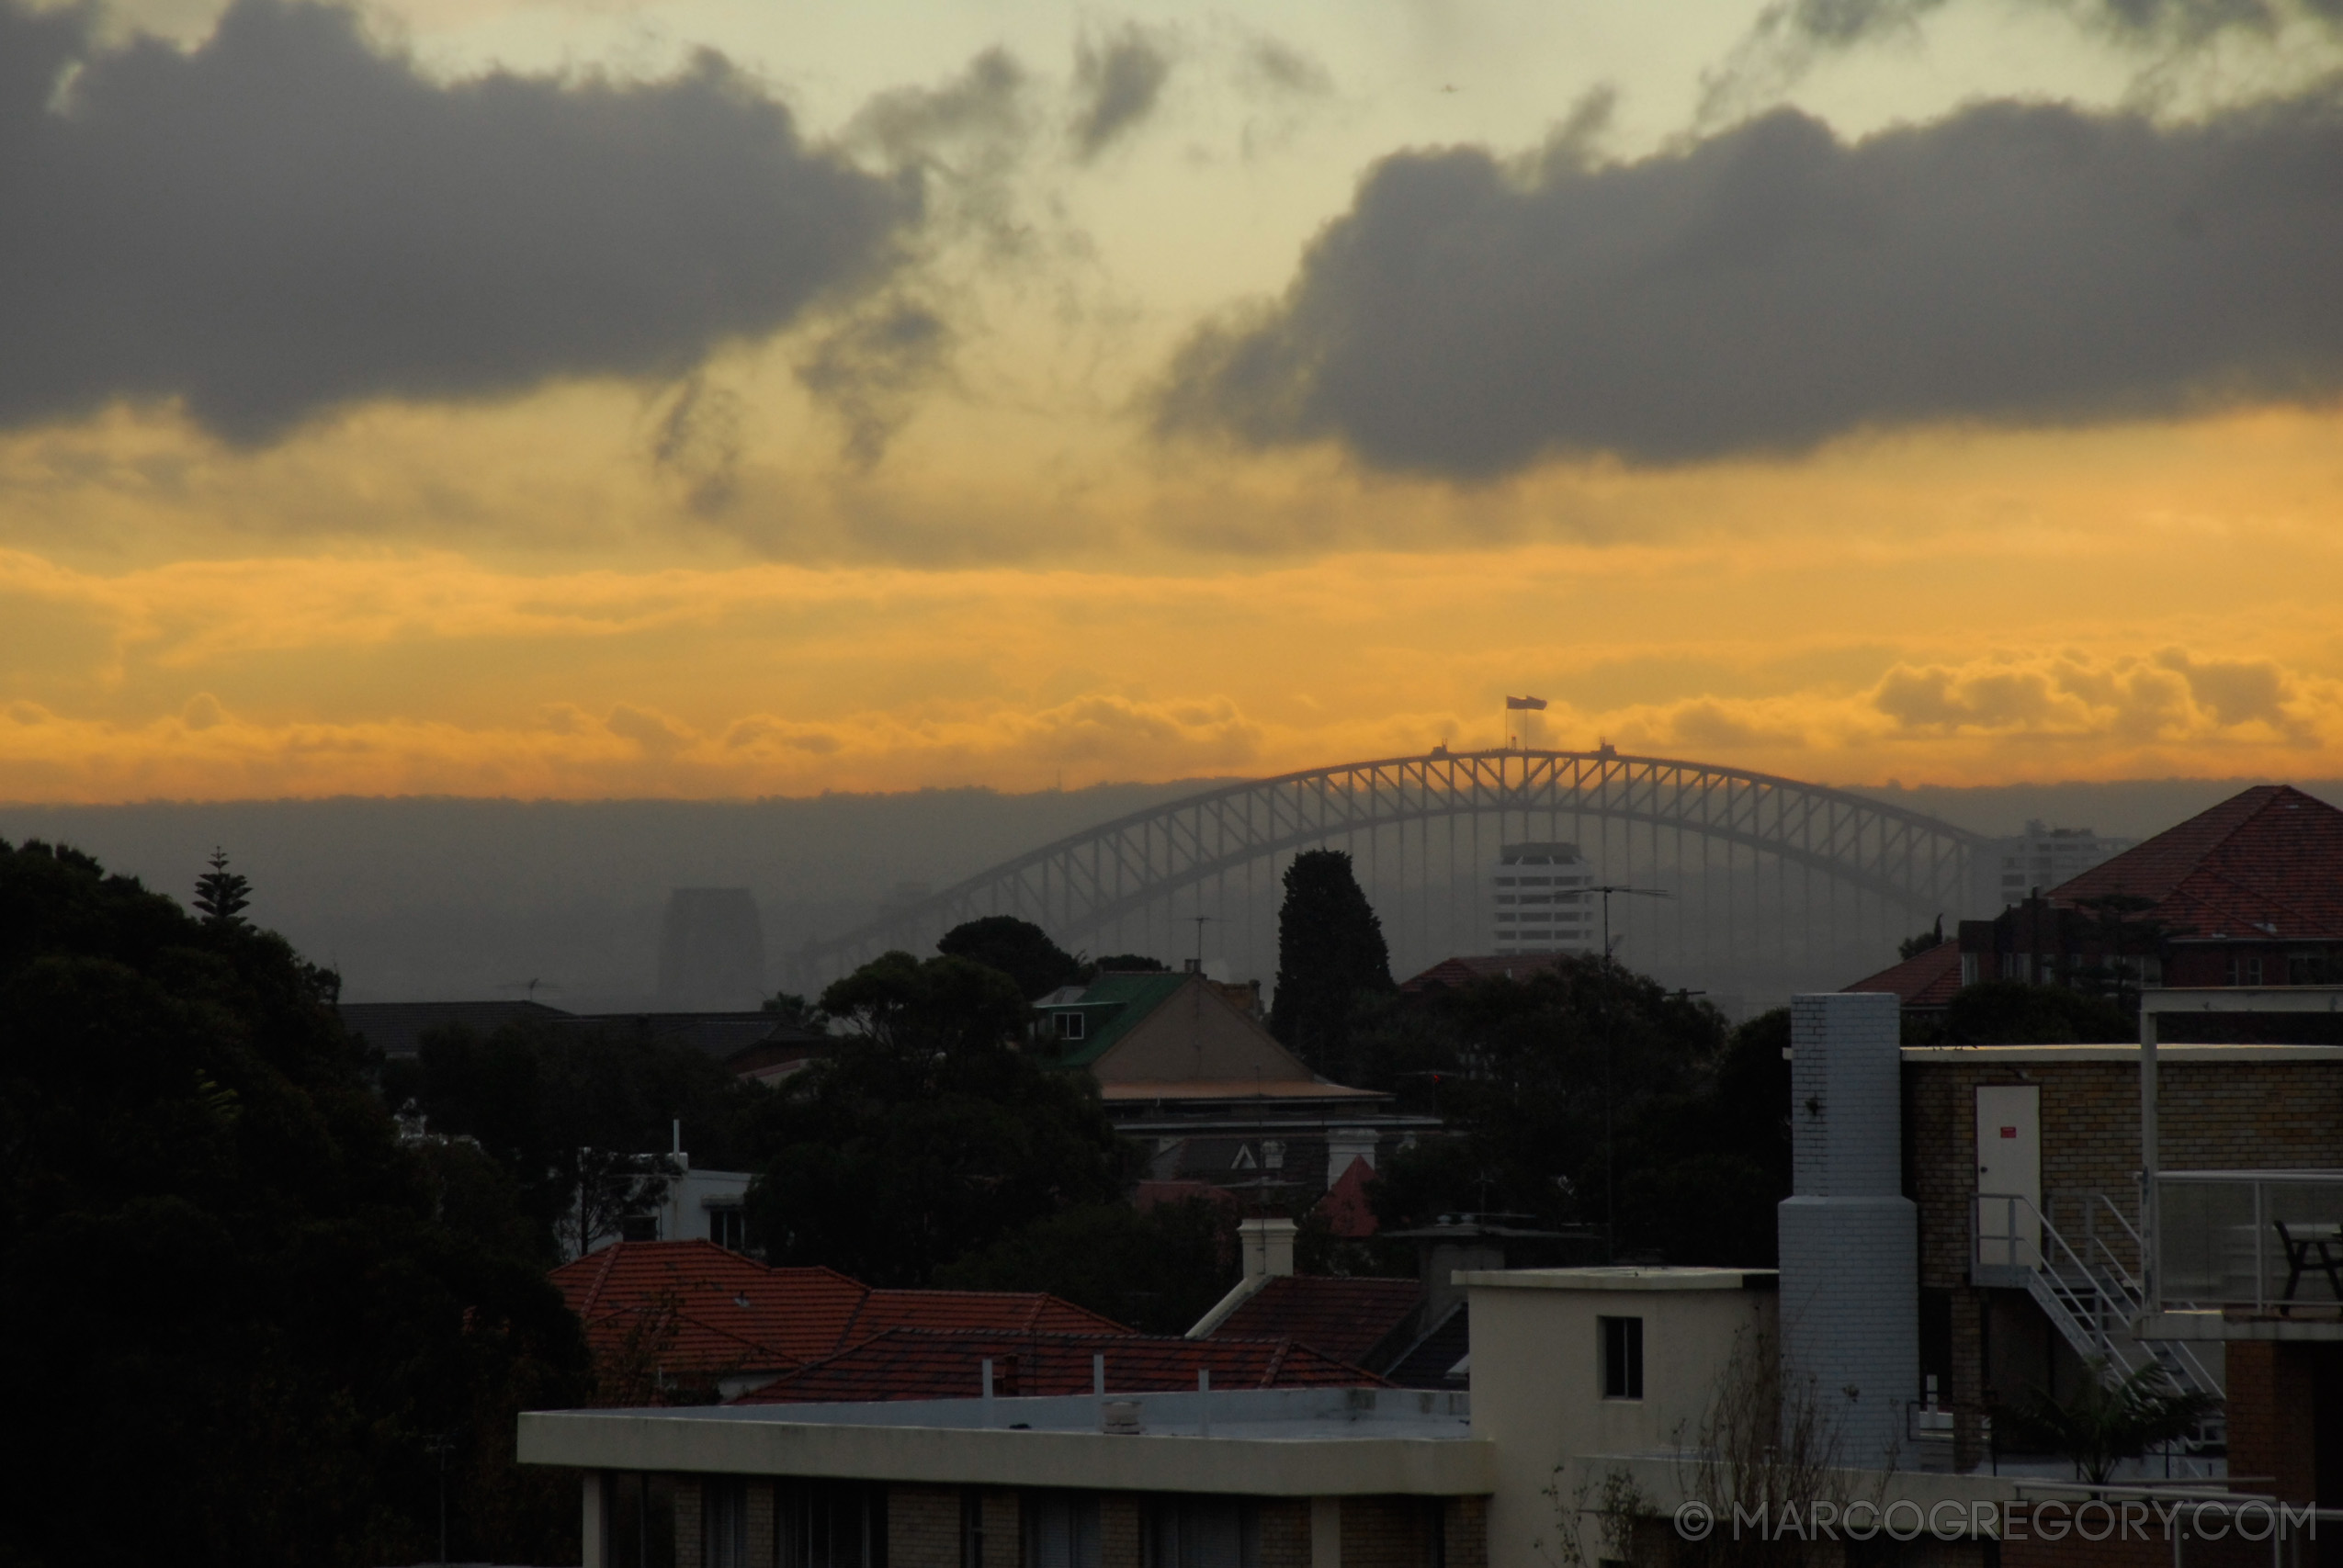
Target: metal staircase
x,y
2089,1292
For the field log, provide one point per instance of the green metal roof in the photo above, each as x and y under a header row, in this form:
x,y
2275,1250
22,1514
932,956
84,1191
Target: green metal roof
x,y
1131,997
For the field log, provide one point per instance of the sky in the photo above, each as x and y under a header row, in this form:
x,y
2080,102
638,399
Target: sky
x,y
715,399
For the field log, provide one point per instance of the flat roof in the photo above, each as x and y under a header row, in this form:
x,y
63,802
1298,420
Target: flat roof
x,y
1260,1442
1620,1277
2169,1055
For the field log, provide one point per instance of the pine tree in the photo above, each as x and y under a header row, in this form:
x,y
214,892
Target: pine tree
x,y
1330,951
220,894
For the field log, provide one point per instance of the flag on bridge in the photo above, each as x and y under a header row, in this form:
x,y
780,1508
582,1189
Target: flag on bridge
x,y
1524,702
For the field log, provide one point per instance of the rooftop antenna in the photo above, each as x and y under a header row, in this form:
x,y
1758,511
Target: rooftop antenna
x,y
1610,1145
1195,966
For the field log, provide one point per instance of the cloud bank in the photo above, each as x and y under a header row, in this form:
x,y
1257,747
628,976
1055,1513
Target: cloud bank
x,y
1769,288
1116,86
290,219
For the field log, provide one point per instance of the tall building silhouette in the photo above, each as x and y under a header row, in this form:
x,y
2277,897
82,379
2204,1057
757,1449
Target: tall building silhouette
x,y
712,951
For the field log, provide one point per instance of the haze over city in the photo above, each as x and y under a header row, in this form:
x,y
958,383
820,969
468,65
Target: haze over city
x,y
1375,784
1031,396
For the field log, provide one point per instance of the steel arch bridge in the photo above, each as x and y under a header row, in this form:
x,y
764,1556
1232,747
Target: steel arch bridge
x,y
1763,843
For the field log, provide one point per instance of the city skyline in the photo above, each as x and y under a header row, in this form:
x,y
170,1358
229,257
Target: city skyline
x,y
769,402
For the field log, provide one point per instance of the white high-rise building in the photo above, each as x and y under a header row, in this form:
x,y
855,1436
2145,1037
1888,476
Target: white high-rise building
x,y
1539,900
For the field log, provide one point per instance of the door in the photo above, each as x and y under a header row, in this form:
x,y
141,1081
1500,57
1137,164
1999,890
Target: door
x,y
2009,1165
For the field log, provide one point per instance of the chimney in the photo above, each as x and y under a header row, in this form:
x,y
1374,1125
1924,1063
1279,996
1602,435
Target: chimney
x,y
1269,1249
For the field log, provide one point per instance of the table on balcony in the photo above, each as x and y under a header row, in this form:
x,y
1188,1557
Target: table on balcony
x,y
2304,1244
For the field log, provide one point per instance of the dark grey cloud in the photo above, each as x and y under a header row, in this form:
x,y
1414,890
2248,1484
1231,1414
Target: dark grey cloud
x,y
292,218
1790,36
1769,288
1116,86
871,367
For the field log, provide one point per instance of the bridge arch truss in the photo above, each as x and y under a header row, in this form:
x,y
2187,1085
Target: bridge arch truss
x,y
1755,864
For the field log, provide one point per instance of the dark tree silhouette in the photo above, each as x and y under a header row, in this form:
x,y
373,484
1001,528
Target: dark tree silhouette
x,y
1329,953
1913,947
220,894
1019,949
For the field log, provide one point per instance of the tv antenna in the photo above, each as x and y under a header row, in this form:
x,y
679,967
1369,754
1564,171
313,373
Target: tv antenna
x,y
1201,921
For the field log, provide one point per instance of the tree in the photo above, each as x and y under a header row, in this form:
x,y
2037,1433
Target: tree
x,y
2011,1013
2106,1420
1330,953
1913,947
1019,949
220,894
1131,963
929,1132
1156,1271
225,1271
1698,1112
577,1118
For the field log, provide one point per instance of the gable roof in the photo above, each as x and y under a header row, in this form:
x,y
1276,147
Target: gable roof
x,y
1468,969
1924,980
1005,1311
733,1313
916,1364
1130,997
1347,1319
726,1305
2267,861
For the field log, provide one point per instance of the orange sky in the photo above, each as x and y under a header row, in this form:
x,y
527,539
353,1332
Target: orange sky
x,y
537,593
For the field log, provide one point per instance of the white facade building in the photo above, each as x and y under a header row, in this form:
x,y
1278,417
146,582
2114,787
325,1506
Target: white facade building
x,y
2005,871
1539,900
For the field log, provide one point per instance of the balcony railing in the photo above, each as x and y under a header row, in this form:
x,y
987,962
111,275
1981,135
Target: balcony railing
x,y
2268,1240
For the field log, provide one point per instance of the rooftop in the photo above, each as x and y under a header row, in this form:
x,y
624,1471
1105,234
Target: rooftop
x,y
1347,1318
914,1364
1264,1442
2263,862
1619,1279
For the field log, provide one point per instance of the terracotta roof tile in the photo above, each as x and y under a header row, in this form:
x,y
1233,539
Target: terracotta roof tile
x,y
914,1363
731,1313
2267,861
1344,1318
1008,1312
1924,980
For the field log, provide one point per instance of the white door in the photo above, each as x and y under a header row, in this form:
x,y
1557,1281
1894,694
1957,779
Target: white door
x,y
2008,1166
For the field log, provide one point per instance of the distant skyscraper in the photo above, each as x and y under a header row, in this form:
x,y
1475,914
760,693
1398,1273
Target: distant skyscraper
x,y
712,951
1539,902
2005,871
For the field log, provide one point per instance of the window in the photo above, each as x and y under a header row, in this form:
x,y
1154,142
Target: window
x,y
2245,971
728,1227
1622,1356
830,1524
1070,1026
639,1519
639,1227
724,1523
1202,1532
971,1529
1061,1530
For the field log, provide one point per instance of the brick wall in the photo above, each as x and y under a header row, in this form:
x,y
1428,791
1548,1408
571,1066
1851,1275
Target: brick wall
x,y
1003,1546
1286,1532
688,1550
1385,1532
2272,1421
1119,1544
760,1521
922,1527
2252,1115
1467,1521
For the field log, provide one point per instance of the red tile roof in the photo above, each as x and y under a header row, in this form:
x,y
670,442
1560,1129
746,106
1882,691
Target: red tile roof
x,y
914,1363
732,1314
2267,862
1004,1312
1345,1318
1465,971
1924,980
1345,1206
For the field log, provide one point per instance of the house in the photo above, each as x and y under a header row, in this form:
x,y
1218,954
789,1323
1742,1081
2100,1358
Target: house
x,y
694,1315
2247,892
1190,1072
1630,1398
